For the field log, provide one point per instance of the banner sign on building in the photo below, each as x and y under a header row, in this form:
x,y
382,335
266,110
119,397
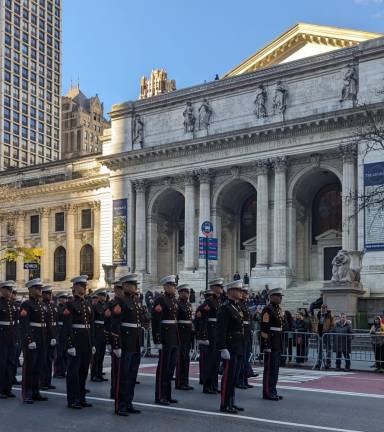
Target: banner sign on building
x,y
373,213
120,231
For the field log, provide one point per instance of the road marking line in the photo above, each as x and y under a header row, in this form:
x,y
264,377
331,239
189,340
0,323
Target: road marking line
x,y
218,414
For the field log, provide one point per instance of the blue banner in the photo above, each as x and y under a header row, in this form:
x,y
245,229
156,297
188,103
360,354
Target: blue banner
x,y
120,216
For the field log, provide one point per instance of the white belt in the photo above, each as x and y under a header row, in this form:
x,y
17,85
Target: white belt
x,y
275,329
81,326
168,321
212,319
33,324
60,323
99,322
131,325
246,322
6,323
184,322
53,325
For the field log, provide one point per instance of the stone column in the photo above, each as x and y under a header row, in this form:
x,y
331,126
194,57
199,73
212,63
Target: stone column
x,y
96,239
44,241
19,236
280,212
71,210
262,215
292,259
141,237
204,177
349,154
189,229
152,253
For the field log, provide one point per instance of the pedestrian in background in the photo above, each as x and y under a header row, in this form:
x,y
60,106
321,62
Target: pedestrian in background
x,y
325,324
343,341
377,332
287,338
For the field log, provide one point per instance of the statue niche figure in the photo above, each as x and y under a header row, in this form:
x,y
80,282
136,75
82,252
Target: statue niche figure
x,y
138,131
260,102
189,118
349,91
205,114
341,268
280,99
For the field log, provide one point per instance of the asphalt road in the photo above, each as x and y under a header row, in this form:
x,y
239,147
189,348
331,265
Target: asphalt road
x,y
313,401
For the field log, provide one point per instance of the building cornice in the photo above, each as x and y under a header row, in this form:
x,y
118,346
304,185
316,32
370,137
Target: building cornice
x,y
345,118
77,185
332,59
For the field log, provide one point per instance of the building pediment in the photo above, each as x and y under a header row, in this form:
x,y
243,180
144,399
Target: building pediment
x,y
329,235
300,41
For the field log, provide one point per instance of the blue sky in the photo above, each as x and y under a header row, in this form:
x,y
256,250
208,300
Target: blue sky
x,y
110,44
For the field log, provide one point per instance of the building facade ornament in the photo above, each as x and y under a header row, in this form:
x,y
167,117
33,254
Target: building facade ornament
x,y
45,212
205,115
189,118
204,175
315,159
350,84
138,131
280,99
348,152
235,171
262,166
280,163
260,102
95,205
189,179
70,208
140,185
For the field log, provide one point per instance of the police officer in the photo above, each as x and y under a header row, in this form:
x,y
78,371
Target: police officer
x,y
271,343
7,340
184,324
208,333
61,358
244,366
230,344
51,314
99,308
126,332
34,342
77,328
166,339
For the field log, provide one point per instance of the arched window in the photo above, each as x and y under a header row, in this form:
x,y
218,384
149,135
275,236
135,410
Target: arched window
x,y
10,270
248,220
86,261
326,210
60,264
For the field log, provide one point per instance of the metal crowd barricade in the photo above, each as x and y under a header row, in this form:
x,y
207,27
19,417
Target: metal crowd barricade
x,y
300,348
354,350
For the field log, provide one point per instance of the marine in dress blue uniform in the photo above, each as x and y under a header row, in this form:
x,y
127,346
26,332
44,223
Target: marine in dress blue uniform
x,y
100,336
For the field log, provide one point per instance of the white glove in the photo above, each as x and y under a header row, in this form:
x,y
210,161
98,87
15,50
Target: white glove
x,y
158,346
53,342
267,350
32,346
117,352
71,352
109,348
21,359
202,342
224,353
93,350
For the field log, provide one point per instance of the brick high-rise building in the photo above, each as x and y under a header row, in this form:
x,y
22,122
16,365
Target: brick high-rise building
x,y
30,82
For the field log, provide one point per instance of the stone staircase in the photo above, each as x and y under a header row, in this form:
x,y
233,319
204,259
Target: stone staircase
x,y
301,295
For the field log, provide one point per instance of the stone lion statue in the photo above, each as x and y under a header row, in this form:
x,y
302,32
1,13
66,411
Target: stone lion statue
x,y
341,268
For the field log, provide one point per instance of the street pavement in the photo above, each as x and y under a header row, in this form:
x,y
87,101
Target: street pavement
x,y
313,401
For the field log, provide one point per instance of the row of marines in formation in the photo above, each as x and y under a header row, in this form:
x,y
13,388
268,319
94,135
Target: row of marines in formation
x,y
74,333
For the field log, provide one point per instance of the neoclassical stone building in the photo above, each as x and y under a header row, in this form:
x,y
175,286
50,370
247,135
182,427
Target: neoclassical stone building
x,y
267,153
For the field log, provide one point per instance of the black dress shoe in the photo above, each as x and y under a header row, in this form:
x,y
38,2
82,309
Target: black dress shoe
x,y
59,376
250,386
44,387
280,397
242,387
85,404
122,413
75,406
102,379
51,387
172,400
162,402
237,408
184,387
209,391
228,410
87,391
39,398
188,387
15,382
137,382
96,379
273,398
133,410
